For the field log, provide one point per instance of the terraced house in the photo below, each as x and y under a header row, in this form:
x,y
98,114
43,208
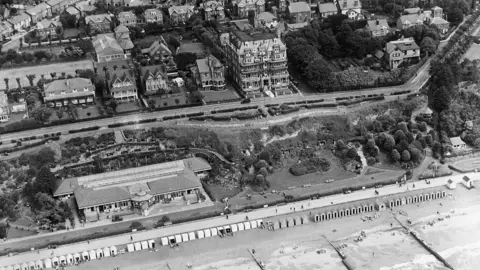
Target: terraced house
x,y
58,6
180,14
39,12
257,62
21,21
244,6
214,11
127,18
76,91
49,28
100,23
154,78
152,15
122,84
209,74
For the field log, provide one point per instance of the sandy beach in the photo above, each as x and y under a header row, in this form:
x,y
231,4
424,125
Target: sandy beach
x,y
386,247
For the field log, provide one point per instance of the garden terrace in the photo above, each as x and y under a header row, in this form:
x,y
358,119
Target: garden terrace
x,y
244,115
92,142
154,134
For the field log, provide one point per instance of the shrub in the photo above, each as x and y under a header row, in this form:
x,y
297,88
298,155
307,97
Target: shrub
x,y
298,170
371,161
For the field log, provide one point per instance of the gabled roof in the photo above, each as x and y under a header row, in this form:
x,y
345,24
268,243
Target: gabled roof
x,y
456,141
148,71
122,75
105,44
157,45
38,9
298,7
97,18
439,21
402,44
449,181
413,18
171,184
45,24
88,197
54,2
349,4
72,10
377,25
266,17
327,7
5,26
414,10
121,29
126,15
180,9
204,65
149,11
19,18
466,178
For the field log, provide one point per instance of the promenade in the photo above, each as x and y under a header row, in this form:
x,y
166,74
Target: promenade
x,y
267,212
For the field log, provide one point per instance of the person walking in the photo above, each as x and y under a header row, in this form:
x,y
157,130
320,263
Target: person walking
x,y
131,238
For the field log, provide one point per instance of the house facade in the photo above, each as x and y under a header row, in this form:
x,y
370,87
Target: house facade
x,y
257,62
48,28
127,18
180,14
402,50
21,21
6,30
377,27
58,6
154,78
300,12
327,9
244,6
214,11
122,85
39,12
209,74
439,21
75,90
100,23
153,16
352,8
107,48
159,50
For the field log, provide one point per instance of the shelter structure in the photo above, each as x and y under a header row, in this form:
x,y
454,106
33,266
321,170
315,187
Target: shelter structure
x,y
467,181
451,184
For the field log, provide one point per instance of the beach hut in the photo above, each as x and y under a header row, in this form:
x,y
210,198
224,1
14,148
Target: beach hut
x,y
55,262
144,244
380,206
184,237
247,225
93,254
220,230
253,224
214,231
69,259
113,250
164,241
77,257
241,227
178,238
151,243
283,223
85,256
24,266
227,229
99,253
341,213
371,207
200,234
298,221
10,267
17,267
234,227
172,240
276,224
207,233
290,222
467,182
106,252
130,248
191,236
62,260
335,214
316,218
137,246
304,219
329,214
38,264
260,223
32,266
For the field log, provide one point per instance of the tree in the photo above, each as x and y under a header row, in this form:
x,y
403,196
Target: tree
x,y
41,114
111,103
3,230
440,100
428,46
263,171
45,202
395,155
406,155
177,101
197,96
455,16
400,136
45,181
183,60
151,103
6,83
18,83
30,78
259,180
319,74
389,142
56,149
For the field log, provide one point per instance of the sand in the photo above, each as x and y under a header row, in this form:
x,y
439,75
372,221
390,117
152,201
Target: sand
x,y
385,247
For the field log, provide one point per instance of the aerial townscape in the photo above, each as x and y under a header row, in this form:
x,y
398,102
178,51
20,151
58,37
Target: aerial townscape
x,y
239,134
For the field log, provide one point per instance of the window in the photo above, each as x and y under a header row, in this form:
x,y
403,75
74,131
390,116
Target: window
x,y
85,89
74,91
64,93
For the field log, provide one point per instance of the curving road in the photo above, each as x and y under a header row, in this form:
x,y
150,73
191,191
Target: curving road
x,y
414,84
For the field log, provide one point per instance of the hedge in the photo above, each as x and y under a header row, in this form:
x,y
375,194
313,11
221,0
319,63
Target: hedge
x,y
31,145
83,129
400,92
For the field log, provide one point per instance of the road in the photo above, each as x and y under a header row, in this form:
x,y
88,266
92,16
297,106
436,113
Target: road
x,y
414,84
262,213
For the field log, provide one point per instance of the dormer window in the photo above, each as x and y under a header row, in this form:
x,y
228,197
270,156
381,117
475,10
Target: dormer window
x,y
74,91
85,89
64,93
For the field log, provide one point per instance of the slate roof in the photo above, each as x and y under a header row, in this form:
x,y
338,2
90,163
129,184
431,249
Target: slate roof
x,y
327,7
106,44
373,26
72,11
88,197
148,71
38,9
414,10
54,2
180,9
298,7
67,85
97,18
48,24
439,21
176,183
456,141
403,45
412,18
266,17
19,18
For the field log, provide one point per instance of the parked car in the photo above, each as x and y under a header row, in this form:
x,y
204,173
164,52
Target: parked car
x,y
329,180
117,218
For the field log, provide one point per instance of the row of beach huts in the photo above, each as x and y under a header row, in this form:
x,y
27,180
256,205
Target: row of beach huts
x,y
76,258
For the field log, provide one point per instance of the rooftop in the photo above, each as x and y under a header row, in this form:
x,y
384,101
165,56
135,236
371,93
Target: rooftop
x,y
38,9
414,10
19,18
298,7
46,23
97,18
456,141
243,36
378,24
402,44
327,7
68,85
105,44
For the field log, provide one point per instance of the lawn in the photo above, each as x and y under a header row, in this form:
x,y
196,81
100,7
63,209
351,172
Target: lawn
x,y
54,116
165,102
468,164
83,113
217,96
473,52
219,192
70,33
283,179
17,233
128,107
67,67
14,117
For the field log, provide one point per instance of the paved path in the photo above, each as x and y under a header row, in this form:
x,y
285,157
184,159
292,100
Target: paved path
x,y
221,221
